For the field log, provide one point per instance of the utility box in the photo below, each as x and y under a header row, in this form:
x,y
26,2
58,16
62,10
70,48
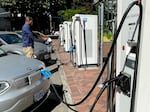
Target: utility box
x,y
84,30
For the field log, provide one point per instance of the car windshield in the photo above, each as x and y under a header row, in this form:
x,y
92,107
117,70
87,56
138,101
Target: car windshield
x,y
11,38
2,53
35,34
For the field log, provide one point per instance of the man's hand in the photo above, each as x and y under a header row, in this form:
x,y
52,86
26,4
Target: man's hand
x,y
45,38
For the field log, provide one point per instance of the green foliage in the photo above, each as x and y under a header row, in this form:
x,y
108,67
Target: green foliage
x,y
108,35
67,14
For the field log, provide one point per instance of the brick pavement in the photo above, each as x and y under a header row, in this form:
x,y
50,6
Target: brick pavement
x,y
80,81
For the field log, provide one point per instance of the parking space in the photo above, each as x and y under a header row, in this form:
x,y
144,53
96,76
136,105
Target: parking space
x,y
53,104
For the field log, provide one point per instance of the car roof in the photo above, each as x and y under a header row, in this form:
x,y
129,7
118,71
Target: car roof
x,y
7,32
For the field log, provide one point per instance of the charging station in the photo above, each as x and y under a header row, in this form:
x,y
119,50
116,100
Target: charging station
x,y
142,99
84,28
61,34
132,56
67,35
133,92
125,58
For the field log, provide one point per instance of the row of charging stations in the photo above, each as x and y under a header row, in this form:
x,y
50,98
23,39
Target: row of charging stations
x,y
132,58
65,35
80,37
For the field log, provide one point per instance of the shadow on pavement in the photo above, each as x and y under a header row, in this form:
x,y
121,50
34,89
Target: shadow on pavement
x,y
51,102
51,62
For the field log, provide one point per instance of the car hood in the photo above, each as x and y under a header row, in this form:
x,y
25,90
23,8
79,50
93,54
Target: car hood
x,y
13,66
13,47
38,48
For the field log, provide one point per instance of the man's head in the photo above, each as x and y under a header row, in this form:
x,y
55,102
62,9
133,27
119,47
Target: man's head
x,y
29,20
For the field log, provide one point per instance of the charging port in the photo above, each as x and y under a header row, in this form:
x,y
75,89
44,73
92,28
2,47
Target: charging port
x,y
124,83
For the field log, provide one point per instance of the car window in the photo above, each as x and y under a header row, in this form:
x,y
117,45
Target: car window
x,y
11,38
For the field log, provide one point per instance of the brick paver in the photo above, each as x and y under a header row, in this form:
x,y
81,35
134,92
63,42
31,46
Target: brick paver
x,y
80,82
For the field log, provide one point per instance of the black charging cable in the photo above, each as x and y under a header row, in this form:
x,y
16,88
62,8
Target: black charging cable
x,y
139,21
137,57
85,46
109,53
71,49
59,97
105,85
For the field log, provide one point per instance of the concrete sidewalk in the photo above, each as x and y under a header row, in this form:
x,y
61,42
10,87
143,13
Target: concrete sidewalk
x,y
77,82
59,78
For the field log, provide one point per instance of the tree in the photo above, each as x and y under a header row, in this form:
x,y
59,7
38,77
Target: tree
x,y
67,14
56,8
76,7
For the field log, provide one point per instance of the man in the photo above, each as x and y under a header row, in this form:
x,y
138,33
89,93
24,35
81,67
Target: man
x,y
28,38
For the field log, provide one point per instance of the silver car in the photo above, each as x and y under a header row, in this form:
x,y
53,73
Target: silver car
x,y
21,82
12,42
39,37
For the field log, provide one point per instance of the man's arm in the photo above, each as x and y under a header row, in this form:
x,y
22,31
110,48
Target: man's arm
x,y
28,31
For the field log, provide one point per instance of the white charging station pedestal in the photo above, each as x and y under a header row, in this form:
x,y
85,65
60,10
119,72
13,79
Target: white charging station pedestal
x,y
125,60
142,98
85,28
61,34
67,35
